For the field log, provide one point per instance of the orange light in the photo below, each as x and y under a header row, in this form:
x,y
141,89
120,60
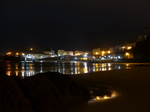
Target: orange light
x,y
9,53
129,48
127,54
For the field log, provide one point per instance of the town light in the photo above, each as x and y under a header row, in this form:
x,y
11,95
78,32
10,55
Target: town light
x,y
108,51
129,48
103,52
96,53
119,57
31,49
127,54
9,53
85,55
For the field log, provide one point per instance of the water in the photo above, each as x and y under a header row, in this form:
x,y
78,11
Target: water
x,y
25,69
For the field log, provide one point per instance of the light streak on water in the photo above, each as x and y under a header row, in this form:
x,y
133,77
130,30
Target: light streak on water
x,y
24,68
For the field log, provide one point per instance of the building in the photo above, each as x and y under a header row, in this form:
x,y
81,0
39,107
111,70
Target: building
x,y
60,52
78,53
70,53
96,51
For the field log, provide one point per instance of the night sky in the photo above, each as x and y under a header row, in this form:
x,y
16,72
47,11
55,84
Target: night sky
x,y
71,24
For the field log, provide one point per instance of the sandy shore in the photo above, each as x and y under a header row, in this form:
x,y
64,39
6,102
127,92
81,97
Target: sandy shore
x,y
132,85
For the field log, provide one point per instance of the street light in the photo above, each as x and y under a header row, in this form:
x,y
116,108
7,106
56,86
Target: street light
x,y
31,49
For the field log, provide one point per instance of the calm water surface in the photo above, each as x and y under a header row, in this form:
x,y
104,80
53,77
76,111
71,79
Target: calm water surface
x,y
25,69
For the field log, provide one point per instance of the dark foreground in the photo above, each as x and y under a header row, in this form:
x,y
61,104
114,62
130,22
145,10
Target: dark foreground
x,y
45,92
54,92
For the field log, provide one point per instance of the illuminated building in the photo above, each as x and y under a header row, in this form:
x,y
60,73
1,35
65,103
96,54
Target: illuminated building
x,y
60,52
78,53
96,51
68,53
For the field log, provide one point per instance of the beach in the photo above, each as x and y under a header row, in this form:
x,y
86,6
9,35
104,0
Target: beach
x,y
132,86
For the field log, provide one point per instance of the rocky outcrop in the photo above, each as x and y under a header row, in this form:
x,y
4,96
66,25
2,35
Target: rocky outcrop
x,y
44,92
11,97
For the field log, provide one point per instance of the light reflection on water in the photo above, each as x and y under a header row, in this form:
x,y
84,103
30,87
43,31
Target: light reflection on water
x,y
105,97
25,69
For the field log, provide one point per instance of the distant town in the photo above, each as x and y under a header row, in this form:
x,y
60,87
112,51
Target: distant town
x,y
132,49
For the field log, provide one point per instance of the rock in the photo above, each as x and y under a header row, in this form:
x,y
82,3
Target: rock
x,y
51,91
42,93
11,97
65,85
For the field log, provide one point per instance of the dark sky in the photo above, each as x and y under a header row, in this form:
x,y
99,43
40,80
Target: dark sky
x,y
71,24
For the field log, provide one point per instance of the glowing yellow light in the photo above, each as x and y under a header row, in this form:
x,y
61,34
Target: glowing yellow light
x,y
16,73
109,64
23,54
105,97
8,73
129,47
77,54
98,98
109,68
85,70
108,51
103,52
103,65
96,53
31,49
83,58
127,54
113,94
96,64
17,53
9,53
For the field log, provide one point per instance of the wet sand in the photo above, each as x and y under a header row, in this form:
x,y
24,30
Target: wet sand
x,y
133,86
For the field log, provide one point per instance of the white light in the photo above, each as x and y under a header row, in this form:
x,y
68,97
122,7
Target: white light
x,y
85,55
102,57
119,57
